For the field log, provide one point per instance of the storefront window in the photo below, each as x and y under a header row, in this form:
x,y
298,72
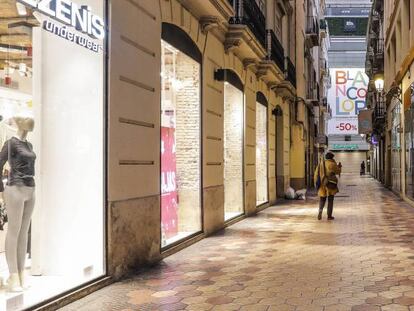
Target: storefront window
x,y
180,145
261,154
233,151
409,148
396,149
52,148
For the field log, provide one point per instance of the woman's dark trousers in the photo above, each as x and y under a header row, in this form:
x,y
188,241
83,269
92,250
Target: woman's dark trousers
x,y
330,205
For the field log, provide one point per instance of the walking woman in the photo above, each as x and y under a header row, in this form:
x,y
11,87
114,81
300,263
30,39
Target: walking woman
x,y
327,183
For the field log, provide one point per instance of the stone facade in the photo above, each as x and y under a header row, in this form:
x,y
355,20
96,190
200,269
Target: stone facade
x,y
202,144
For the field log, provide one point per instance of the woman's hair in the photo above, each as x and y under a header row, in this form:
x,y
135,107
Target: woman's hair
x,y
329,156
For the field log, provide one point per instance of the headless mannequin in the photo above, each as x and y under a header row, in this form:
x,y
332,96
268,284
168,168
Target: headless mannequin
x,y
19,200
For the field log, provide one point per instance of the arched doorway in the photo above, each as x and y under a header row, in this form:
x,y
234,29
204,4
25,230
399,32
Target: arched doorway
x,y
279,153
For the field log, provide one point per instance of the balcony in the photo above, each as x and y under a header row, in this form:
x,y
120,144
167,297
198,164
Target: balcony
x,y
312,94
275,51
249,13
380,109
312,31
379,49
290,71
323,28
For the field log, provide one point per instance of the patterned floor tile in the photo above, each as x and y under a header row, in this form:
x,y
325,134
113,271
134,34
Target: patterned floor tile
x,y
284,259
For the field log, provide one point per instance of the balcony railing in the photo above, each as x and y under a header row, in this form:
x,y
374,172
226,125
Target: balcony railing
x,y
290,71
380,109
249,13
312,31
379,48
275,51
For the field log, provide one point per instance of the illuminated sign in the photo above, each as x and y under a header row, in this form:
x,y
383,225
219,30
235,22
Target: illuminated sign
x,y
68,13
345,147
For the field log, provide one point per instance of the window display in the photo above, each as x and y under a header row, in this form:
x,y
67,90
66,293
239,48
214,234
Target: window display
x,y
180,146
261,154
51,148
396,149
233,151
409,145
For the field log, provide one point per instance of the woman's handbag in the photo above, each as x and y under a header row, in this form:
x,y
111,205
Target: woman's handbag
x,y
331,180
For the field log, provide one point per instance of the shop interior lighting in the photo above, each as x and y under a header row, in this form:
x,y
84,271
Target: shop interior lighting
x,y
21,9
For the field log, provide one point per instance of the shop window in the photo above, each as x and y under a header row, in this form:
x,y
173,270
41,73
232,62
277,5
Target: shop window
x,y
261,154
180,145
52,141
409,143
233,151
396,148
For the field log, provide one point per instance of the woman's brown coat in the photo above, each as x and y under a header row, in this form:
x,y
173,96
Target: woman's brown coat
x,y
331,169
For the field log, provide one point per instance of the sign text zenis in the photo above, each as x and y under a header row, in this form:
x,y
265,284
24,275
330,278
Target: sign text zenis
x,y
69,13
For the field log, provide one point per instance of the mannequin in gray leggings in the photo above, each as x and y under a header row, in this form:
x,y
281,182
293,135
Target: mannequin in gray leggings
x,y
19,198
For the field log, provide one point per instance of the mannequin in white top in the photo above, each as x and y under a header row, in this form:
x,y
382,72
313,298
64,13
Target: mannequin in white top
x,y
19,199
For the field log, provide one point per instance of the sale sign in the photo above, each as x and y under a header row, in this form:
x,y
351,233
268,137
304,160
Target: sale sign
x,y
169,193
344,126
346,98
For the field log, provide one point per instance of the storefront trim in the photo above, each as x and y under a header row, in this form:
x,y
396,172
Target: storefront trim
x,y
73,294
229,76
178,38
261,98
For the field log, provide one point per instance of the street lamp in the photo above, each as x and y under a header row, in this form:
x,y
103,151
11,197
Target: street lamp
x,y
379,84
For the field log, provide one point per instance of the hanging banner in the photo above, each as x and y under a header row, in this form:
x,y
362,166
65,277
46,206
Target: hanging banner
x,y
346,98
365,121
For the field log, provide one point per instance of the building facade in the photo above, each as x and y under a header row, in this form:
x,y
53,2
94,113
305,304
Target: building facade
x,y
174,119
390,59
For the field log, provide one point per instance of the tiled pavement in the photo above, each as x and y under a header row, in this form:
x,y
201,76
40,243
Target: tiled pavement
x,y
286,260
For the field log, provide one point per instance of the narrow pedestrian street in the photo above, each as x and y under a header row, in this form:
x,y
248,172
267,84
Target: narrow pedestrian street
x,y
285,259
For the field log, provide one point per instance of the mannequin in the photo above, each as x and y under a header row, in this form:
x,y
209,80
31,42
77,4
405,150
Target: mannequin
x,y
19,197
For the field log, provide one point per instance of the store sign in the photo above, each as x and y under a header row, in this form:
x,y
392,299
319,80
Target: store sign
x,y
346,98
345,147
343,126
365,121
73,15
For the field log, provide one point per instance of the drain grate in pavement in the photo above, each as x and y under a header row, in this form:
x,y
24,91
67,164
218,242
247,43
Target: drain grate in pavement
x,y
351,185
